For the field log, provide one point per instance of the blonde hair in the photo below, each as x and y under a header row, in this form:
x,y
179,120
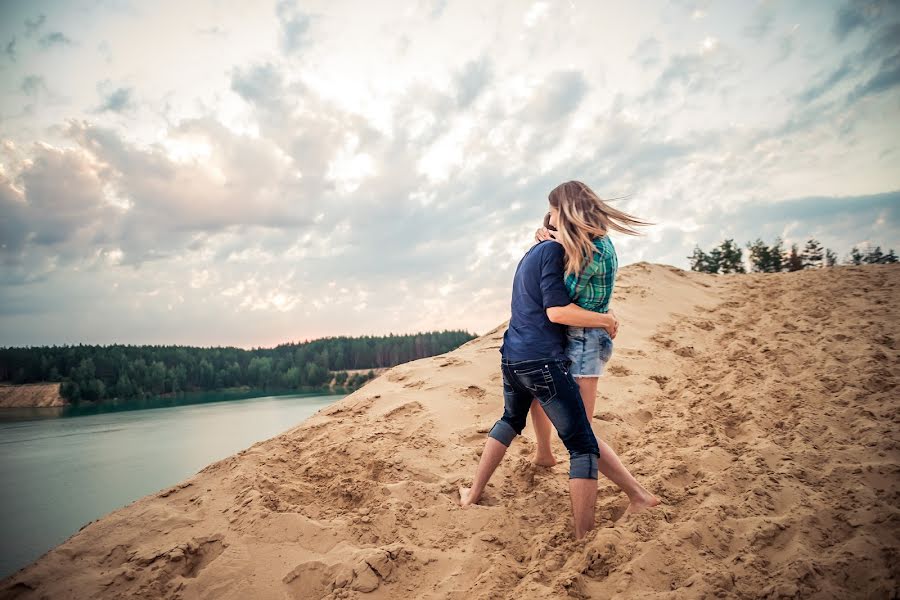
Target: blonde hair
x,y
583,216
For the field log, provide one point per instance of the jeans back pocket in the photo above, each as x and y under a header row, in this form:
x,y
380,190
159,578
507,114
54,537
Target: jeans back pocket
x,y
538,381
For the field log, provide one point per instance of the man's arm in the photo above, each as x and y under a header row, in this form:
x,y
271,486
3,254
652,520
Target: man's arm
x,y
574,315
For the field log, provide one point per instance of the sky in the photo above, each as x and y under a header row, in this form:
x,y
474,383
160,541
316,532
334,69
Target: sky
x,y
215,173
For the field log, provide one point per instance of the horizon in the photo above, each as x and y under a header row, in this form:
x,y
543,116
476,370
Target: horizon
x,y
288,343
334,170
387,334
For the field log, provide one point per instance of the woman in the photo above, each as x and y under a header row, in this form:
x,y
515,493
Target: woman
x,y
580,221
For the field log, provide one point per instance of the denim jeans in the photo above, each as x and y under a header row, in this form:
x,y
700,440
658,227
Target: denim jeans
x,y
551,383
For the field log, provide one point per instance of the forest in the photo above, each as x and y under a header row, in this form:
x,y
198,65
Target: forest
x,y
728,257
97,372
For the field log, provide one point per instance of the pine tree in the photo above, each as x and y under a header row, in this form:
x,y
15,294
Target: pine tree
x,y
874,256
830,258
714,261
776,256
856,257
812,255
759,256
731,257
698,259
890,257
793,261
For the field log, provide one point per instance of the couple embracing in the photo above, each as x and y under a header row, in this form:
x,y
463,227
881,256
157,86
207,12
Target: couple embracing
x,y
556,346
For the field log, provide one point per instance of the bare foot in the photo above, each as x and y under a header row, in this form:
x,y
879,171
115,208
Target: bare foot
x,y
465,498
544,461
640,504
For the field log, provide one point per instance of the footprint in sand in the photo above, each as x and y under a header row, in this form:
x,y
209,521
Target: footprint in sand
x,y
662,380
473,391
450,362
364,573
643,416
410,408
618,371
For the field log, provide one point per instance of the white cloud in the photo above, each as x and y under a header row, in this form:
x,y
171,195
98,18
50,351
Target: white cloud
x,y
317,171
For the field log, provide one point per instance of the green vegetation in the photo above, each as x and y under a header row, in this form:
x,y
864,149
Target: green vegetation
x,y
94,373
728,257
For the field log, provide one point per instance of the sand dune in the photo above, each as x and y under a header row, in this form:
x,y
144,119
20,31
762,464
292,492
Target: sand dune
x,y
30,394
762,409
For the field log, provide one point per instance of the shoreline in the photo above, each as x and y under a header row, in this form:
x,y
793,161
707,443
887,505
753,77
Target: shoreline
x,y
46,395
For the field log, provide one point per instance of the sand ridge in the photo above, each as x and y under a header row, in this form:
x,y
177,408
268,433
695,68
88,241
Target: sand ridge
x,y
762,409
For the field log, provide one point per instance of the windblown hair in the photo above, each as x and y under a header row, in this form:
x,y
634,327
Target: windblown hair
x,y
583,216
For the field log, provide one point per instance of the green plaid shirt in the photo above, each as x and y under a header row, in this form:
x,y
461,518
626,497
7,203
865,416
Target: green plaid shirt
x,y
593,288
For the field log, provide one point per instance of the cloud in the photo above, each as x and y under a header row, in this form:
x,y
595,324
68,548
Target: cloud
x,y
848,18
119,100
761,22
882,52
862,14
31,26
885,49
888,77
693,73
437,8
472,80
648,53
294,26
261,186
258,84
558,96
55,38
13,221
536,13
10,50
32,85
828,82
785,48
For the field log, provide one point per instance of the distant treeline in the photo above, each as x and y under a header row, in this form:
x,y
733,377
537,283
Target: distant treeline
x,y
93,373
727,257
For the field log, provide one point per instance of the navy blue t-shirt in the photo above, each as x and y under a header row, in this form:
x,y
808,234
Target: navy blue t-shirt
x,y
537,286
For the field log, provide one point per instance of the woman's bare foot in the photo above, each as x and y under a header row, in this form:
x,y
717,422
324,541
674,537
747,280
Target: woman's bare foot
x,y
465,496
640,504
544,460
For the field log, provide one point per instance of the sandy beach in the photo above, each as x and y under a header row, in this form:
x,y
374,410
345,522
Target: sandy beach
x,y
761,408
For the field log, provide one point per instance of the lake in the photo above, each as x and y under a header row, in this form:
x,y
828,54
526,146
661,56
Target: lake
x,y
61,468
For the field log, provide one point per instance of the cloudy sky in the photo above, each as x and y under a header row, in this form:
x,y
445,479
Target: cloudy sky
x,y
234,173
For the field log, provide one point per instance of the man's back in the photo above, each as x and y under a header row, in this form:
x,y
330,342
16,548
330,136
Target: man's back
x,y
537,285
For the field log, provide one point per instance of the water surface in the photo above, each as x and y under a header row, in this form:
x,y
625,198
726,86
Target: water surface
x,y
61,468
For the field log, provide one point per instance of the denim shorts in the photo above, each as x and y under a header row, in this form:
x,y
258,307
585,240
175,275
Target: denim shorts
x,y
551,383
589,349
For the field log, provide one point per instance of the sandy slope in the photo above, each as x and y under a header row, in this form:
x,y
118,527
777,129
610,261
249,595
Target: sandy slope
x,y
30,394
763,409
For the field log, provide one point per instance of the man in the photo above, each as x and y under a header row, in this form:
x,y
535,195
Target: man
x,y
534,365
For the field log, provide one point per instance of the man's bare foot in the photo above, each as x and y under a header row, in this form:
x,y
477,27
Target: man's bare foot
x,y
544,461
640,504
465,496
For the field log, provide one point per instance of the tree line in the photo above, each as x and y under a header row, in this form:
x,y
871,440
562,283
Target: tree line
x,y
728,257
95,372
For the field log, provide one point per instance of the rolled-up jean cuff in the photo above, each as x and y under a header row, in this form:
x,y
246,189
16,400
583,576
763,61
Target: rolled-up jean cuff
x,y
583,466
502,432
